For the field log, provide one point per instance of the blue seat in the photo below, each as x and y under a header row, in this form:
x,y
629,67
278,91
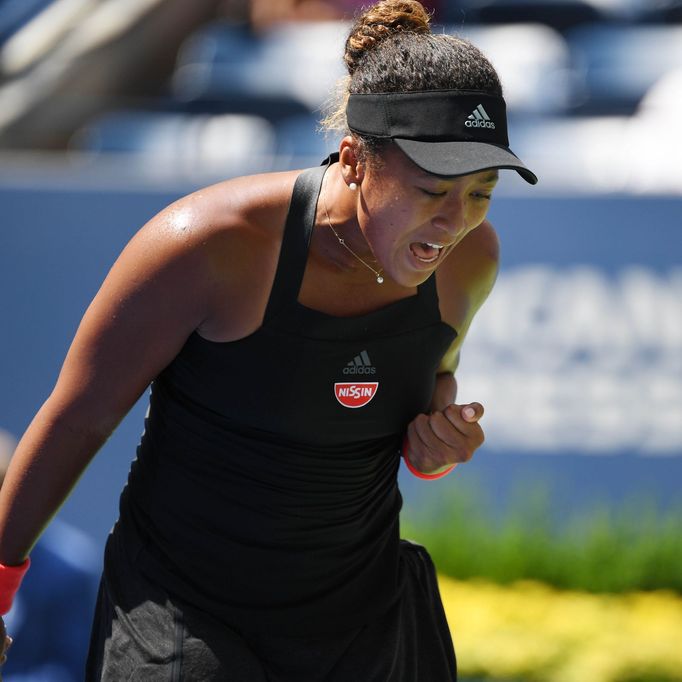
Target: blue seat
x,y
616,65
575,154
663,11
560,15
285,72
301,143
17,13
179,143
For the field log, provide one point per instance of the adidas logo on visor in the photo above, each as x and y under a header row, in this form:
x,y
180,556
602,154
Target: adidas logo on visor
x,y
479,119
360,364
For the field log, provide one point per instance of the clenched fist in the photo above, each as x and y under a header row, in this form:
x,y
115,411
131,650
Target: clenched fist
x,y
444,438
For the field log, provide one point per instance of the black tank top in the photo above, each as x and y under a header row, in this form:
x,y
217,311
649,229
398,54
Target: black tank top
x,y
265,485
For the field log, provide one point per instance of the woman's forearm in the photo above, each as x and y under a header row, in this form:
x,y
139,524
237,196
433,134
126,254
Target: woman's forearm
x,y
46,465
445,391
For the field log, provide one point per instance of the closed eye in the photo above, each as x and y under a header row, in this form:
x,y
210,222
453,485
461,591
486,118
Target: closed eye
x,y
432,194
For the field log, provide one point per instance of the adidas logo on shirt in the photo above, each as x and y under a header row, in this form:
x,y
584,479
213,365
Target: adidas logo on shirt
x,y
479,119
357,392
360,364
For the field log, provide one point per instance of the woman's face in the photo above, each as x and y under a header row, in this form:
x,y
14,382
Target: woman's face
x,y
412,219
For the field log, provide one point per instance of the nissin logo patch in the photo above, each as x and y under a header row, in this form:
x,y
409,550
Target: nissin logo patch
x,y
355,394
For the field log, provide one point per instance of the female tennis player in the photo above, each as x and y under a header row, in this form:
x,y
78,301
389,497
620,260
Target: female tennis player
x,y
300,331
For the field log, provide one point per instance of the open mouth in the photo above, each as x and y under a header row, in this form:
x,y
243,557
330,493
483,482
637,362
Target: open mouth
x,y
425,251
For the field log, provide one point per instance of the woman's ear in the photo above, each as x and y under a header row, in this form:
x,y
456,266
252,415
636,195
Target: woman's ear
x,y
352,169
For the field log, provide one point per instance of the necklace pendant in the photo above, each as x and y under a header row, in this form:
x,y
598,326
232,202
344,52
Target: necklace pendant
x,y
380,279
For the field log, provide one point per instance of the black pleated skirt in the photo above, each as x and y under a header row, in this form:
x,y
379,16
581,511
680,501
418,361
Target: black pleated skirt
x,y
140,633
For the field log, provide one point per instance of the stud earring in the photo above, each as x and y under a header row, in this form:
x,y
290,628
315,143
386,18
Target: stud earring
x,y
352,186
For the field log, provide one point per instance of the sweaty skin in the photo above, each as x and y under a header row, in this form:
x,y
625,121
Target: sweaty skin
x,y
188,269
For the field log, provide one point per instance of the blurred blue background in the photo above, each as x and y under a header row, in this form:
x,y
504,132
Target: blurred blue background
x,y
109,110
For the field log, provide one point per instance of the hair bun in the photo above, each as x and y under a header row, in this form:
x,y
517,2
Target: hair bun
x,y
384,19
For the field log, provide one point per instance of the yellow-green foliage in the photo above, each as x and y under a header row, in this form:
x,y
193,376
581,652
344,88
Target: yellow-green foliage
x,y
534,633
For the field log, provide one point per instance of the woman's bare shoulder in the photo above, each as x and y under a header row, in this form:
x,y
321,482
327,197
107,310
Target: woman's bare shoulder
x,y
482,245
237,227
467,276
226,230
473,264
218,247
238,205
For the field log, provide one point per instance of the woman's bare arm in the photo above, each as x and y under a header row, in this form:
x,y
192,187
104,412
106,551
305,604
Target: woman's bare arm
x,y
450,433
160,289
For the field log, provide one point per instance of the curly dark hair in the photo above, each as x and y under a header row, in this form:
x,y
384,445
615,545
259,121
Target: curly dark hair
x,y
390,48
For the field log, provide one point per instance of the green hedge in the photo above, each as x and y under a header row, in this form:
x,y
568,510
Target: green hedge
x,y
598,549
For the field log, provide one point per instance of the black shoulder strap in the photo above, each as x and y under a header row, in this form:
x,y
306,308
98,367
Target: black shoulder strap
x,y
428,295
298,230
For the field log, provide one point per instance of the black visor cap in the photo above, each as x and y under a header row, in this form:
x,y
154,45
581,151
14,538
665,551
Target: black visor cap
x,y
445,132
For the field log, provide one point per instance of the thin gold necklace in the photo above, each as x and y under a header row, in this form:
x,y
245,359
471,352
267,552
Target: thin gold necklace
x,y
377,273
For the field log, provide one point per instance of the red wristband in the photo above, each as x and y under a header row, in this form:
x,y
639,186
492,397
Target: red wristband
x,y
10,579
421,474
